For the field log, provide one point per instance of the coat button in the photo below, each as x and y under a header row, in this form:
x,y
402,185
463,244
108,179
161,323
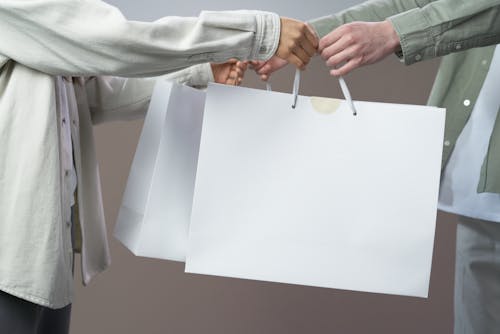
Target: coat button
x,y
467,102
418,57
447,143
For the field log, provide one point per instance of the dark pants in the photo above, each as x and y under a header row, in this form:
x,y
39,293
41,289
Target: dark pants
x,y
18,316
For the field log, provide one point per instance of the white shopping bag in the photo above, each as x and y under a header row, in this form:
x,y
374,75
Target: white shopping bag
x,y
314,195
154,217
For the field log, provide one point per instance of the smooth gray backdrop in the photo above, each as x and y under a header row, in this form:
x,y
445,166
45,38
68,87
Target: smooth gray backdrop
x,y
154,9
139,295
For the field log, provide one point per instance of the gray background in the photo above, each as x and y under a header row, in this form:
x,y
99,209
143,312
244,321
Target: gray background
x,y
139,295
154,9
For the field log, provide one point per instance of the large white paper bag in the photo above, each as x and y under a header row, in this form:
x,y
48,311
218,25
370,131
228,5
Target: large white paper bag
x,y
315,195
154,216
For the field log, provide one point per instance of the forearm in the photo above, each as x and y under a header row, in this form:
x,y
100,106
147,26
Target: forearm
x,y
69,37
370,11
426,28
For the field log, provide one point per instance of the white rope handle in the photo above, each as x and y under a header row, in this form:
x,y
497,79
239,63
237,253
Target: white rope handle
x,y
347,95
296,88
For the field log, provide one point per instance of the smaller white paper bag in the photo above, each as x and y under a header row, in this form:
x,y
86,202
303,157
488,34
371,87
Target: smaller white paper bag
x,y
314,195
154,216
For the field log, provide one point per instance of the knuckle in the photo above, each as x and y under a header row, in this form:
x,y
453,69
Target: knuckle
x,y
322,44
349,38
331,61
347,29
325,55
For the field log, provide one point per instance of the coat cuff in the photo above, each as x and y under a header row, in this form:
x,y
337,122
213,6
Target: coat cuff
x,y
201,75
267,36
414,31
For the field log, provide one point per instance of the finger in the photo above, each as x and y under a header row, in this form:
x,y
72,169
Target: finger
x,y
346,68
329,39
308,49
231,81
311,36
240,75
267,68
256,65
236,71
335,48
341,57
242,66
306,44
293,59
264,77
302,54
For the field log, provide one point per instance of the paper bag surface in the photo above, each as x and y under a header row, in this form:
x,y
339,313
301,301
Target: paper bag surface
x,y
154,217
315,195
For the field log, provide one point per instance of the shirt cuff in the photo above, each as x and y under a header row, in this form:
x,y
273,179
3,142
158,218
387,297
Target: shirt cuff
x,y
414,31
267,36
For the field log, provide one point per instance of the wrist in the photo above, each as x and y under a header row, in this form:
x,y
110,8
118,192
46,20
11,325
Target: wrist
x,y
392,38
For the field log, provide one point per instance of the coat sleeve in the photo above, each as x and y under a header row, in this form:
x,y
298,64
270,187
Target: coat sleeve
x,y
90,37
117,98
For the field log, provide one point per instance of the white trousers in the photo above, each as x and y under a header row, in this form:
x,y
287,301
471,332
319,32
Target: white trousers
x,y
477,277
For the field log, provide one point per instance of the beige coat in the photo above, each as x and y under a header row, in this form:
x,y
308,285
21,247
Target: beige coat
x,y
40,42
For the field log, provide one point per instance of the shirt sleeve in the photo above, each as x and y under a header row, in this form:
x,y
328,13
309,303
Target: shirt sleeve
x,y
117,98
369,11
426,28
90,37
445,26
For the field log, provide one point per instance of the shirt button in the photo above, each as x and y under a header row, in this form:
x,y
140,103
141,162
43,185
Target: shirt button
x,y
66,173
467,102
458,47
484,62
68,223
447,143
418,57
64,120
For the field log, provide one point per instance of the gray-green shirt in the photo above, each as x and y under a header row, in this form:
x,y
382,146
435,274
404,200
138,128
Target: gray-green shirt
x,y
429,29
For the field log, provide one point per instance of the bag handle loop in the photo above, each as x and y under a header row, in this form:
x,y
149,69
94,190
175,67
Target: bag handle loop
x,y
296,87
